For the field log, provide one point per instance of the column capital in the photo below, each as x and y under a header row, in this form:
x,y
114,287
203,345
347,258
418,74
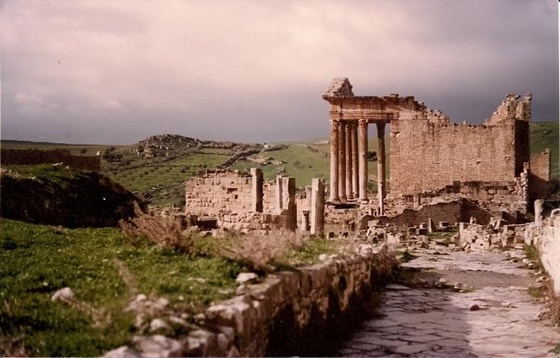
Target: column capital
x,y
363,122
335,122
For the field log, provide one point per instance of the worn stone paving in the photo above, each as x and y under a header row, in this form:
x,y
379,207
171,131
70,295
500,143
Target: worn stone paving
x,y
480,309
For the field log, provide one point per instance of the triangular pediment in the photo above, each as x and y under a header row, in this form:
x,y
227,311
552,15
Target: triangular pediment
x,y
339,87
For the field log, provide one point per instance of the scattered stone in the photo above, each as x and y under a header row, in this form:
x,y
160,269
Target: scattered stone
x,y
122,352
64,294
247,277
178,321
474,307
199,317
158,346
161,303
159,324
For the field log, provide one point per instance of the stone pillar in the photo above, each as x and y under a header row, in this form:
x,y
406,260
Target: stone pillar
x,y
288,194
289,191
362,158
431,225
279,193
317,207
305,220
348,159
381,190
257,190
355,175
538,211
342,161
333,194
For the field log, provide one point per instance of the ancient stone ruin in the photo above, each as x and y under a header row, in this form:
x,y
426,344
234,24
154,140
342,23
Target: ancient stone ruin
x,y
439,170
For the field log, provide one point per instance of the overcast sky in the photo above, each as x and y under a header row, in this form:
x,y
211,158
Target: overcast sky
x,y
116,72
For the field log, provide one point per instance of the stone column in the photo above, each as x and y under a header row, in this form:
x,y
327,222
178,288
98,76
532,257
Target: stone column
x,y
257,190
289,189
279,193
381,190
305,220
538,211
348,159
342,161
362,158
317,207
288,193
355,176
333,194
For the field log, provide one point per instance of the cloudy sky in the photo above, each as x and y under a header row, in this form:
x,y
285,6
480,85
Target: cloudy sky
x,y
115,72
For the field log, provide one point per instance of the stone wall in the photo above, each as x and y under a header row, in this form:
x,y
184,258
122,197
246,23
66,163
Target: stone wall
x,y
540,187
426,155
235,197
218,191
37,156
545,235
293,313
493,197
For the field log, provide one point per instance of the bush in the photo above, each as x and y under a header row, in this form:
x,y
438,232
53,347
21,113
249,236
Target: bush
x,y
162,231
259,252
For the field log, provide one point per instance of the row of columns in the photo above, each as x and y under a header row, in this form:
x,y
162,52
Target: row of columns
x,y
348,171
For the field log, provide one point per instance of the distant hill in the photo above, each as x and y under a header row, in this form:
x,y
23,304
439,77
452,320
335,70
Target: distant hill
x,y
156,167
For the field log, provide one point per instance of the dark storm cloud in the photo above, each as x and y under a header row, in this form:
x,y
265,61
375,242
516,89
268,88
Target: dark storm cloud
x,y
116,72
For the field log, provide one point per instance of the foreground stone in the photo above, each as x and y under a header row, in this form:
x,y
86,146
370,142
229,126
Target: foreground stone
x,y
427,321
287,313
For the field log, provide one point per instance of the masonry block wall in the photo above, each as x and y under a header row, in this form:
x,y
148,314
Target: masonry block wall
x,y
428,154
217,192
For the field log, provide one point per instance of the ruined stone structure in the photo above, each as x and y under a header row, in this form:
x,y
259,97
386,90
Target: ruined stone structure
x,y
242,200
430,154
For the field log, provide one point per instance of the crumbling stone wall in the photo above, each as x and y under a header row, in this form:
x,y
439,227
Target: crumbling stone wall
x,y
233,198
495,197
218,191
428,154
540,187
545,234
38,156
294,313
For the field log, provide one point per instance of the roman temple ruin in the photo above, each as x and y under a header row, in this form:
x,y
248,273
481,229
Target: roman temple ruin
x,y
439,170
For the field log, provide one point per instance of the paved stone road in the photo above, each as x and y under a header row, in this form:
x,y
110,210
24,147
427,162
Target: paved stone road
x,y
493,316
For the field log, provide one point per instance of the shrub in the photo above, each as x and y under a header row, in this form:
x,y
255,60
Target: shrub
x,y
258,252
162,231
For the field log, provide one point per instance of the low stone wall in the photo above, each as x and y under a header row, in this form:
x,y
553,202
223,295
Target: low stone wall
x,y
546,236
492,197
289,313
37,156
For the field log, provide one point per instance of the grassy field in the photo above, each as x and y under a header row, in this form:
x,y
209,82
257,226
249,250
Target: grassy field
x,y
106,272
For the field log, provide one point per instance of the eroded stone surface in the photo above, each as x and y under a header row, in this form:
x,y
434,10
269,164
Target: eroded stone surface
x,y
428,321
